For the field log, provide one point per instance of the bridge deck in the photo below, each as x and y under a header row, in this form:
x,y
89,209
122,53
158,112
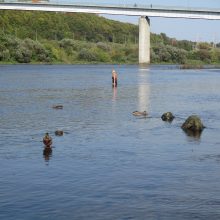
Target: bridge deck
x,y
132,10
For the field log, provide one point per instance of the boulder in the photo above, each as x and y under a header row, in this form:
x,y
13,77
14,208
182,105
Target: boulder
x,y
168,116
193,123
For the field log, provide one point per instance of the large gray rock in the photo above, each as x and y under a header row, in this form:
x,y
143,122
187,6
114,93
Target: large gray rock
x,y
193,123
168,116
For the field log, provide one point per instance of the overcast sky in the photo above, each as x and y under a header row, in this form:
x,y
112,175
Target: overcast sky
x,y
189,29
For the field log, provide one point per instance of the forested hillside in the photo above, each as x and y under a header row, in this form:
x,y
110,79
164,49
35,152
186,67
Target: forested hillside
x,y
83,38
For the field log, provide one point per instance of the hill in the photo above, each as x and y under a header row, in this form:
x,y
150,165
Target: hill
x,y
83,38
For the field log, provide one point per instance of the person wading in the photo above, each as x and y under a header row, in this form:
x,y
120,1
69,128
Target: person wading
x,y
114,78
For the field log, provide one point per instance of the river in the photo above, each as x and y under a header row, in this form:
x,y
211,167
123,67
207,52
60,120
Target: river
x,y
108,164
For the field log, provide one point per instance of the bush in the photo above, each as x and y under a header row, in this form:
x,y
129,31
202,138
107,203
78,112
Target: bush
x,y
163,54
6,55
177,55
87,55
68,43
44,58
204,55
215,55
12,43
154,57
103,46
168,53
101,56
23,55
117,56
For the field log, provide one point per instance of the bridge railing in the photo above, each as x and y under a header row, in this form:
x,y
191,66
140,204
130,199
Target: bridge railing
x,y
135,6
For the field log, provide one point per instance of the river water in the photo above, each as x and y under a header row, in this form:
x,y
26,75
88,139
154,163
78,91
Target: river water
x,y
108,164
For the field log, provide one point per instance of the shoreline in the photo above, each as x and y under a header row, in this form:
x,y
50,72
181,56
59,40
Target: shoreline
x,y
172,66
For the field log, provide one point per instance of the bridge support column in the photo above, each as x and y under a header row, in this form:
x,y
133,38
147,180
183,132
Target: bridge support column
x,y
144,40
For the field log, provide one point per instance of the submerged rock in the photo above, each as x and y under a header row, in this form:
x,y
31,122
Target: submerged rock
x,y
137,113
168,116
193,123
58,106
59,133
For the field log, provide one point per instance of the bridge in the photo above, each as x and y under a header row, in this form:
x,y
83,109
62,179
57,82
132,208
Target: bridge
x,y
143,11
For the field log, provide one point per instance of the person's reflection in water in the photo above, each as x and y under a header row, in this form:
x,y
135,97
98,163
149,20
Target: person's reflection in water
x,y
143,89
114,99
47,153
114,94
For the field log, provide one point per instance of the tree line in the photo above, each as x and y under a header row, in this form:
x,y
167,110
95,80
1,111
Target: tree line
x,y
48,37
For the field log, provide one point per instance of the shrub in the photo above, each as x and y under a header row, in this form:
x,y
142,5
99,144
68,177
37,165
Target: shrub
x,y
204,55
177,55
215,55
87,55
154,57
12,43
101,56
103,46
69,43
6,55
23,55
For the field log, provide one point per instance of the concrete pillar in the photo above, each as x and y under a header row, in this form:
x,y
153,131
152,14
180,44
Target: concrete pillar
x,y
144,40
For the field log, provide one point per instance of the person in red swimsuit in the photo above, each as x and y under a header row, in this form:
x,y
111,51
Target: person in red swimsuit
x,y
114,78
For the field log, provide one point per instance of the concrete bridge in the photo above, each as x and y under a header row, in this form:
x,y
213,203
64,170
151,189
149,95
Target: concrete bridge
x,y
144,11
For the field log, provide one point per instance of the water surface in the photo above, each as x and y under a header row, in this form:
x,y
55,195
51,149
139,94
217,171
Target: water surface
x,y
109,164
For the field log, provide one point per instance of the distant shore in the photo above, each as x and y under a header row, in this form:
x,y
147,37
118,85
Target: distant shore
x,y
160,65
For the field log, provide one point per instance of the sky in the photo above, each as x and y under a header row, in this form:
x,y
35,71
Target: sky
x,y
181,29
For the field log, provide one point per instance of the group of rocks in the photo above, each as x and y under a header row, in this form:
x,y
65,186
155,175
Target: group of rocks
x,y
192,124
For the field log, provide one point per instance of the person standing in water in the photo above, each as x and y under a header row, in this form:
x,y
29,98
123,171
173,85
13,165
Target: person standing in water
x,y
114,78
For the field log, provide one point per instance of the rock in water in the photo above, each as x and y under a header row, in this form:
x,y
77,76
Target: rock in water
x,y
168,116
58,106
193,123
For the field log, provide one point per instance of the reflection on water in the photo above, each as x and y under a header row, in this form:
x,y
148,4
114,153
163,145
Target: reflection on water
x,y
114,93
210,157
194,134
143,90
47,153
109,165
114,99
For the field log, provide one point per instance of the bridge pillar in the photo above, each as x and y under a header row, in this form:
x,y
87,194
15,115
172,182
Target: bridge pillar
x,y
144,40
